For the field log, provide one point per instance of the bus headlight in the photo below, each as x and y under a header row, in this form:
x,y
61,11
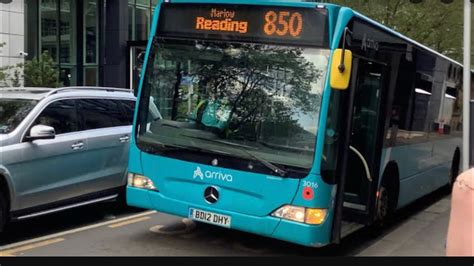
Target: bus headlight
x,y
301,214
140,181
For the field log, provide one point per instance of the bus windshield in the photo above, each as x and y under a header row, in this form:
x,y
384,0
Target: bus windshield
x,y
246,102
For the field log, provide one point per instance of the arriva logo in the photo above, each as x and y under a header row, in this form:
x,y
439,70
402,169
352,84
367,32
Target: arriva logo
x,y
212,175
368,43
198,173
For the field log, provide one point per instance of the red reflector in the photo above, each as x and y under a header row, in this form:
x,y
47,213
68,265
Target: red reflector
x,y
308,193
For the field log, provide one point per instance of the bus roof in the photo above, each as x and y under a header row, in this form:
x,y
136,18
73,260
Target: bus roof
x,y
315,3
391,31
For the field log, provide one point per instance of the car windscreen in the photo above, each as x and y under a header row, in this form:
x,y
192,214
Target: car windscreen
x,y
12,112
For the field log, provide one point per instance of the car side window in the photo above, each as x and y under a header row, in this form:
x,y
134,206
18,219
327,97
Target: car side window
x,y
100,113
129,109
60,115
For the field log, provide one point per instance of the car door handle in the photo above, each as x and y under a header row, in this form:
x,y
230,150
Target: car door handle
x,y
77,146
124,139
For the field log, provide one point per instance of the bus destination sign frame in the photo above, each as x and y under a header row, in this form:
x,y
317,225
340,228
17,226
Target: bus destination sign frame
x,y
246,23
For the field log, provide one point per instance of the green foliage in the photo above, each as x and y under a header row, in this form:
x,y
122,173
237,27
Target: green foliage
x,y
41,72
10,76
432,23
3,74
17,76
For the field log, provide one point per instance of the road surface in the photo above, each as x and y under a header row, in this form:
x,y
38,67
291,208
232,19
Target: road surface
x,y
103,230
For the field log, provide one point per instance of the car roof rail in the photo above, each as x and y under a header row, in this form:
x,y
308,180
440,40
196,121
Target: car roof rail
x,y
109,89
25,89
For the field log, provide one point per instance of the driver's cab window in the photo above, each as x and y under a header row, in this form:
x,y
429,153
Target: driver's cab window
x,y
60,115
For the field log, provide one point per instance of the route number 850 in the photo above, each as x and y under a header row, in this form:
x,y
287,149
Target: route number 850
x,y
283,23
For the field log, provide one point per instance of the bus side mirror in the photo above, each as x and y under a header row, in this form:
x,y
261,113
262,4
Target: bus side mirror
x,y
341,69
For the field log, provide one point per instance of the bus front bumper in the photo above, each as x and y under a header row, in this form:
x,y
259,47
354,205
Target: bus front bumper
x,y
269,226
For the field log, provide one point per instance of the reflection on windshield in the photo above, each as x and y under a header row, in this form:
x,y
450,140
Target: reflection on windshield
x,y
12,112
261,98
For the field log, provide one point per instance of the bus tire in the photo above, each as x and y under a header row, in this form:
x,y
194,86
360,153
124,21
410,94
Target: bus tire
x,y
454,171
387,199
382,204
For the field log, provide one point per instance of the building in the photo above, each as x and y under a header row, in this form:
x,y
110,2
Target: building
x,y
11,32
93,42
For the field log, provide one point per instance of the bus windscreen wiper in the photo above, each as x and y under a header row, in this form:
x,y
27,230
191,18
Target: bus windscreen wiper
x,y
277,170
154,146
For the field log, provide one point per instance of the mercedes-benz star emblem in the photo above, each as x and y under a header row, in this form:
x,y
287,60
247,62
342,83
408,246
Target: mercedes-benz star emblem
x,y
211,195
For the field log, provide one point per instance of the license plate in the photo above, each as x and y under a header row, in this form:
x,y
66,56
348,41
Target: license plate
x,y
210,217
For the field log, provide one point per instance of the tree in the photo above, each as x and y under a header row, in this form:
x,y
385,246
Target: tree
x,y
10,76
432,23
15,81
3,74
41,72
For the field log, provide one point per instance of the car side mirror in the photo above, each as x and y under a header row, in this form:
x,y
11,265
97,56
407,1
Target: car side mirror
x,y
41,132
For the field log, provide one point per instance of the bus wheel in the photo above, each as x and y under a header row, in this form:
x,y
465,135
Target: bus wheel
x,y
382,204
386,201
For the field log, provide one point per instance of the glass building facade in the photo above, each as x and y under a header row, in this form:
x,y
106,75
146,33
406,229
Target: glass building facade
x,y
140,13
87,39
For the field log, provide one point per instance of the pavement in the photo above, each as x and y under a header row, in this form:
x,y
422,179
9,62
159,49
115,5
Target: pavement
x,y
419,230
422,235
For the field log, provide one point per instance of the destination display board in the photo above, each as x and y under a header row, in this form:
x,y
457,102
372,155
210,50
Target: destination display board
x,y
251,23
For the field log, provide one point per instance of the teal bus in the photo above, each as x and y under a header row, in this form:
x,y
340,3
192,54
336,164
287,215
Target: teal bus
x,y
294,120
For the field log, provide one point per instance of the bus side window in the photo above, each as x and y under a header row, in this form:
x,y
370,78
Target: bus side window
x,y
393,126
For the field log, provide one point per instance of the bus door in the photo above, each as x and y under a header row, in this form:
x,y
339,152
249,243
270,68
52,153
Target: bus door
x,y
365,137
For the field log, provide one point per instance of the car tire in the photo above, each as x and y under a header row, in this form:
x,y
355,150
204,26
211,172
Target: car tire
x,y
121,201
3,212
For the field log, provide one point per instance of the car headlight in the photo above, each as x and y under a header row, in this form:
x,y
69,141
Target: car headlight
x,y
301,214
140,181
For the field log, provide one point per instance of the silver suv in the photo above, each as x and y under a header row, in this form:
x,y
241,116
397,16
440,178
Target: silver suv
x,y
62,148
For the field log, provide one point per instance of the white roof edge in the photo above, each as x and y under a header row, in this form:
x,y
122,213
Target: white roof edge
x,y
421,91
449,96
